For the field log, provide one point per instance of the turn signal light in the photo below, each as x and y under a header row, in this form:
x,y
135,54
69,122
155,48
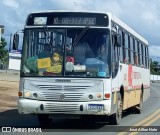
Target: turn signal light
x,y
107,95
19,94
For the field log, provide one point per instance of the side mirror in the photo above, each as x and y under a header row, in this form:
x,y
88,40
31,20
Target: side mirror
x,y
118,41
15,41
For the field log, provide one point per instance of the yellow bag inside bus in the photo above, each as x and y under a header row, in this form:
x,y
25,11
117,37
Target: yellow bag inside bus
x,y
44,63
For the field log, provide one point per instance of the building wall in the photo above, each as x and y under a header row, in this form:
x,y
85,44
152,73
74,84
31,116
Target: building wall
x,y
14,61
14,64
155,77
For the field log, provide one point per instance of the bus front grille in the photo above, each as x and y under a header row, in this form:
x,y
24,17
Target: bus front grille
x,y
77,91
61,108
63,87
48,95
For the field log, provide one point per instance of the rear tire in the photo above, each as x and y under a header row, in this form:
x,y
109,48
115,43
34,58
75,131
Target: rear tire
x,y
44,119
116,117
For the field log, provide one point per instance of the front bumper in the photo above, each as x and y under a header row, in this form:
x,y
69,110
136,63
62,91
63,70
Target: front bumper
x,y
28,106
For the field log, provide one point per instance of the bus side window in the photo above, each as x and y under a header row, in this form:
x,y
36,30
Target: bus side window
x,y
136,59
126,59
121,49
114,56
136,52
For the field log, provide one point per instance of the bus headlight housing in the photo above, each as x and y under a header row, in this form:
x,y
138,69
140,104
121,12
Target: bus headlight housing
x,y
27,94
99,95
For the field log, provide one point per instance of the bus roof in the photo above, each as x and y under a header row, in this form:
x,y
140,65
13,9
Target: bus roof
x,y
82,11
112,16
127,28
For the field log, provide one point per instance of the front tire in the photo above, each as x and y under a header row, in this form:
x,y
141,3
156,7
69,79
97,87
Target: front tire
x,y
116,117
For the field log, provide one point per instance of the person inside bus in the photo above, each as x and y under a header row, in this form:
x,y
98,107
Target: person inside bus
x,y
82,51
102,55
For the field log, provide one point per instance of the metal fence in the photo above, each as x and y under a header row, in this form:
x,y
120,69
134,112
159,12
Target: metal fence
x,y
3,67
155,77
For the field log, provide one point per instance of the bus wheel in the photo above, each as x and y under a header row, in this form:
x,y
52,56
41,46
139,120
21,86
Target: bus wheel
x,y
44,119
116,117
138,108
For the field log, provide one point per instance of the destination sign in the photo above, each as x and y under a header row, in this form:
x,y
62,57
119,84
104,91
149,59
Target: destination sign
x,y
75,21
67,19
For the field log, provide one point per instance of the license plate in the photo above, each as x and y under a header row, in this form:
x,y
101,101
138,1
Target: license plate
x,y
95,107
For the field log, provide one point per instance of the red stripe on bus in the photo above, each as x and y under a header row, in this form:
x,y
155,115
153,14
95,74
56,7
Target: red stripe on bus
x,y
130,75
136,87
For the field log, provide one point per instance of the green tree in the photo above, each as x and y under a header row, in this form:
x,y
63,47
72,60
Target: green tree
x,y
3,52
154,67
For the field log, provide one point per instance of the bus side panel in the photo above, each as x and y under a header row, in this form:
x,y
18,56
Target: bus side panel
x,y
113,102
134,79
108,89
132,98
146,92
115,92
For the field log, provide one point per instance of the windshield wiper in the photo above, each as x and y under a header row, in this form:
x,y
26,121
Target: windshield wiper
x,y
80,36
47,35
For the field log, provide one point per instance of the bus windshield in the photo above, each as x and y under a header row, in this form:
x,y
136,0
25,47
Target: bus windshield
x,y
71,52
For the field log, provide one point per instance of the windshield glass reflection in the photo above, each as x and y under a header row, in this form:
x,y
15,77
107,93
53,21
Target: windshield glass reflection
x,y
66,52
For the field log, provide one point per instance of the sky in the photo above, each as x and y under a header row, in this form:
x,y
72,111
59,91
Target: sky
x,y
141,15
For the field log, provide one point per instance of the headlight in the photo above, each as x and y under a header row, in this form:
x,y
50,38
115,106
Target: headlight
x,y
27,94
99,95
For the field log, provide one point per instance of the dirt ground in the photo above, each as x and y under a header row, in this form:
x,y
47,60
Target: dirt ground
x,y
8,95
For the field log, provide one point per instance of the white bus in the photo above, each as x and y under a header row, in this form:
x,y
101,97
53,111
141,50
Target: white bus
x,y
84,64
